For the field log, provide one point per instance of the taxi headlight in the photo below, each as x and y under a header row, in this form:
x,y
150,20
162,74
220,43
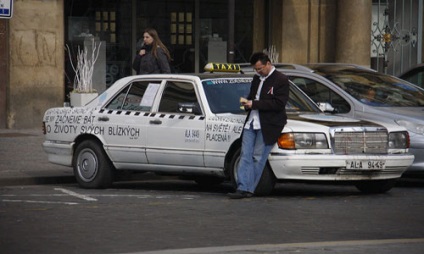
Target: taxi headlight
x,y
399,140
302,141
412,127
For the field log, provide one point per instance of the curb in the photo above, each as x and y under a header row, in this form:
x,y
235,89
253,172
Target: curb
x,y
16,181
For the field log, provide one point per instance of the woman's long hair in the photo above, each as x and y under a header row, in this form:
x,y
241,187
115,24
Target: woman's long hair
x,y
157,43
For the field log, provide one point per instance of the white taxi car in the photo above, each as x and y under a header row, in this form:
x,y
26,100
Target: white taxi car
x,y
190,125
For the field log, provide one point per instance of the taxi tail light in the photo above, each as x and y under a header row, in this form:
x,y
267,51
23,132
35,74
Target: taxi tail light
x,y
286,141
408,140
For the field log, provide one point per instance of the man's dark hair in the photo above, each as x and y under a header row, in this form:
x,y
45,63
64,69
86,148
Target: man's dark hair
x,y
259,56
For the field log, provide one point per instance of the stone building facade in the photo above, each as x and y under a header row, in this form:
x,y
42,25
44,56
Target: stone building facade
x,y
32,42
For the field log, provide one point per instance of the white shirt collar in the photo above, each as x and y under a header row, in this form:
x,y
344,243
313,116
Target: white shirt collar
x,y
263,78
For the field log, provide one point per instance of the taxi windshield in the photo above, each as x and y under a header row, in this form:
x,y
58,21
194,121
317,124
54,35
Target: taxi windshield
x,y
223,95
376,89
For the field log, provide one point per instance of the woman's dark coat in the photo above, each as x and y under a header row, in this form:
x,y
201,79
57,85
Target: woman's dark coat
x,y
149,64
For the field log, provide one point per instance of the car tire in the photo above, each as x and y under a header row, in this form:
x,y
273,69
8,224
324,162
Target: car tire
x,y
266,183
92,167
377,186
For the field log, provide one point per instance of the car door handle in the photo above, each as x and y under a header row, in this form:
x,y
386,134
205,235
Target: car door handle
x,y
103,119
156,122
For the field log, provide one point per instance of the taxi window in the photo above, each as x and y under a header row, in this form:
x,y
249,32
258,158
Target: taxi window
x,y
136,96
179,97
224,94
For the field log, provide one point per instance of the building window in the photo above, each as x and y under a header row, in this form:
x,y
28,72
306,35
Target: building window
x,y
106,24
181,28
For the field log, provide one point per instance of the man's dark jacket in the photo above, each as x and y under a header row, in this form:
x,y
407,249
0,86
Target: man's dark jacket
x,y
271,104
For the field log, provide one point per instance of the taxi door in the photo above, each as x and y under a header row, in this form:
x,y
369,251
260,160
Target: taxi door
x,y
175,135
124,122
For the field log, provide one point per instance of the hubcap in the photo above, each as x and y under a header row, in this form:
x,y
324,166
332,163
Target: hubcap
x,y
87,165
235,171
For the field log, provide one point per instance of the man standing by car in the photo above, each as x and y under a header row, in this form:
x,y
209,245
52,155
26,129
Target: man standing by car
x,y
266,118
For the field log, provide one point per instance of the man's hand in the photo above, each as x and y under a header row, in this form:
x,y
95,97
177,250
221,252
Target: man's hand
x,y
245,103
248,104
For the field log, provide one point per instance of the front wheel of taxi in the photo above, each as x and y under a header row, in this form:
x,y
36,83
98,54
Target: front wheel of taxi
x,y
377,186
266,183
92,167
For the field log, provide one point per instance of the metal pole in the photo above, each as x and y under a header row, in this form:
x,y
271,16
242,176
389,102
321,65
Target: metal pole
x,y
268,23
419,32
133,28
230,43
196,36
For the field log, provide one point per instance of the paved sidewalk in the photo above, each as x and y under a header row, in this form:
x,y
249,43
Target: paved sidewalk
x,y
23,161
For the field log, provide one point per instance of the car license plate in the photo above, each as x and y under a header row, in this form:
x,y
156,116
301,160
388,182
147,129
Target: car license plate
x,y
370,165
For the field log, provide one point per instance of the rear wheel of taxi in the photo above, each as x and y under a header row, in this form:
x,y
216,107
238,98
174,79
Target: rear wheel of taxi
x,y
92,167
376,186
266,183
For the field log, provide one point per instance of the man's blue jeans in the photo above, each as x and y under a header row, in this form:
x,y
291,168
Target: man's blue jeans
x,y
254,155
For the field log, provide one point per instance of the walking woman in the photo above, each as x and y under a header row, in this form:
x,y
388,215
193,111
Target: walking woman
x,y
153,56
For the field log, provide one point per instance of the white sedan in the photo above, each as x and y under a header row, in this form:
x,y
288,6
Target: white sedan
x,y
190,125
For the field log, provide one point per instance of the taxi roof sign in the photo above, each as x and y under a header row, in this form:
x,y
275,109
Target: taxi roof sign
x,y
222,67
6,8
